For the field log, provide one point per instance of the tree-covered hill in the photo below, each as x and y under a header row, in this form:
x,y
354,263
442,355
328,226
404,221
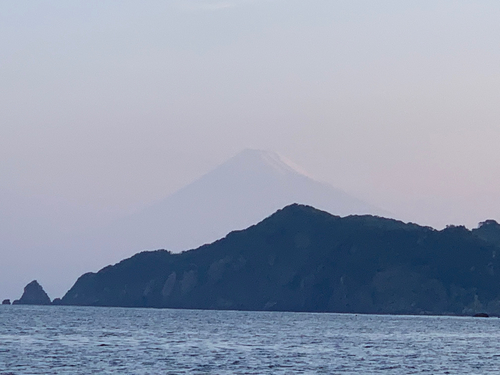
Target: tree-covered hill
x,y
303,259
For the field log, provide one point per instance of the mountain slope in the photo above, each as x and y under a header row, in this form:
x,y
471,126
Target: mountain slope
x,y
246,188
303,259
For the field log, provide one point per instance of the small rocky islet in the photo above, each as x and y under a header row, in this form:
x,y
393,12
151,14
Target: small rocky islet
x,y
33,295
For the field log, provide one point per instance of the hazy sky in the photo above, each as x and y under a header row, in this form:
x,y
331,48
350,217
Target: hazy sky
x,y
107,106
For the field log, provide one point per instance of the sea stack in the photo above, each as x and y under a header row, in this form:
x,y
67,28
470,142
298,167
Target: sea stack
x,y
33,295
6,302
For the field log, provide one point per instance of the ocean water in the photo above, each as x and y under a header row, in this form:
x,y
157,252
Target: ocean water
x,y
85,340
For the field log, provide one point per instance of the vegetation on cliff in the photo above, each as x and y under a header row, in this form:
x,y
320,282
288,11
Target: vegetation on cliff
x,y
303,259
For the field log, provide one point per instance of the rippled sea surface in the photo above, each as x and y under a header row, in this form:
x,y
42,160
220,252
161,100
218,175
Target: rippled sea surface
x,y
83,340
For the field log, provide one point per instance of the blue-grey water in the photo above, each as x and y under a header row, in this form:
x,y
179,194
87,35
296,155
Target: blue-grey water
x,y
84,340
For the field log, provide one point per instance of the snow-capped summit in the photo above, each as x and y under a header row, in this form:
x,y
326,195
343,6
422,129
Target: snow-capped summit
x,y
271,159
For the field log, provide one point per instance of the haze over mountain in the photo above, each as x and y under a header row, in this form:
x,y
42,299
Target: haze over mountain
x,y
108,107
240,192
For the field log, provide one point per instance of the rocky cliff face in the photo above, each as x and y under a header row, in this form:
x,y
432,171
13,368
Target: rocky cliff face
x,y
302,259
33,295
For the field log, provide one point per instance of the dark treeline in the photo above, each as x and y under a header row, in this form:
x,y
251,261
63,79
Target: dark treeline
x,y
303,259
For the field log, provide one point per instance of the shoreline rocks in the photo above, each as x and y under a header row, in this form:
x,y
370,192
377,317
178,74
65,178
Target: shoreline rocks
x,y
481,315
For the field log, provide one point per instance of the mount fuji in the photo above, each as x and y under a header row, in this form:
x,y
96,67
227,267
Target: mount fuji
x,y
242,191
237,194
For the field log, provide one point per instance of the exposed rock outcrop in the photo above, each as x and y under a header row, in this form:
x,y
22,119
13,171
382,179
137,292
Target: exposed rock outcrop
x,y
6,302
33,295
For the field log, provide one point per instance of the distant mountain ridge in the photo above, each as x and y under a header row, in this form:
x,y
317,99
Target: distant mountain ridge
x,y
249,186
304,259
